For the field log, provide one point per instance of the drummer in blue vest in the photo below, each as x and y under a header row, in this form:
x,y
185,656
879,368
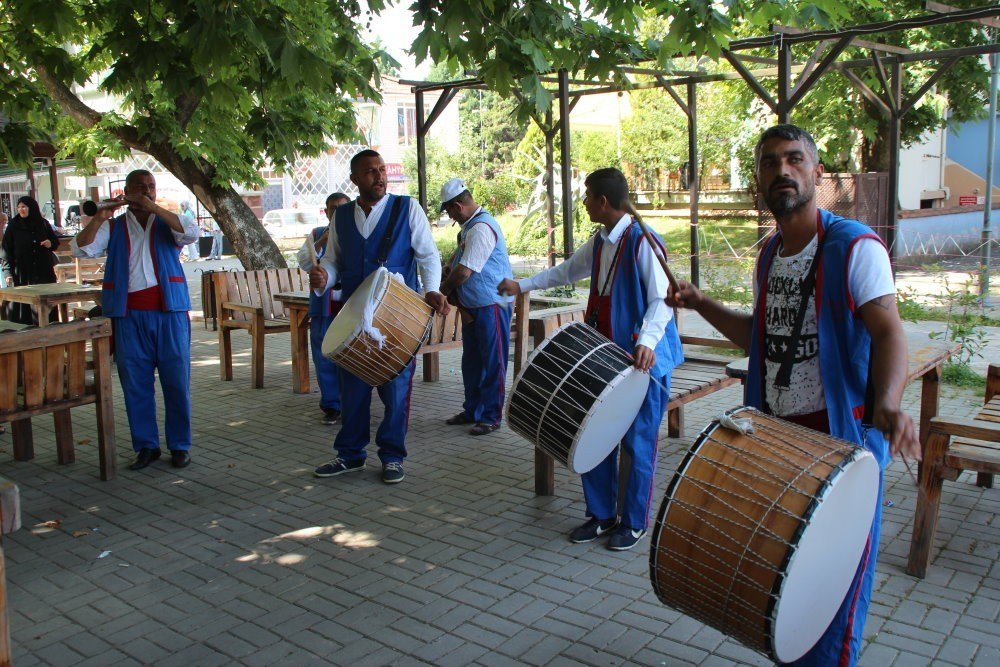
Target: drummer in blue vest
x,y
146,296
628,291
322,309
378,229
478,266
846,365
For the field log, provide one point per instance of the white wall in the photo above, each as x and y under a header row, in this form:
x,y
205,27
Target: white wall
x,y
921,169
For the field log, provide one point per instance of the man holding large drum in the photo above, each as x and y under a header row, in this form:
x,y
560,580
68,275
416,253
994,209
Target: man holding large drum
x,y
480,262
827,348
628,290
378,230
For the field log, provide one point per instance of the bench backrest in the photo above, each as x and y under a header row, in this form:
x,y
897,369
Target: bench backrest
x,y
257,288
50,364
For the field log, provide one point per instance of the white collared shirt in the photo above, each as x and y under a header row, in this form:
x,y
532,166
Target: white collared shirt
x,y
581,264
480,240
428,258
141,270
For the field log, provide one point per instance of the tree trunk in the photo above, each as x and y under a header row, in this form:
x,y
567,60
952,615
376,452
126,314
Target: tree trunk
x,y
875,152
253,245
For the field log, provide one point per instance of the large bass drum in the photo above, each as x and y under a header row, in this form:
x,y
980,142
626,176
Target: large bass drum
x,y
379,330
760,534
576,397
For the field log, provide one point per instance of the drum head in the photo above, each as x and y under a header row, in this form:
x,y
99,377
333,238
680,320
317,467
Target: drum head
x,y
608,420
347,324
821,569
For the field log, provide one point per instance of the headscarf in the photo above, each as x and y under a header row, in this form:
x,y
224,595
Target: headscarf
x,y
34,213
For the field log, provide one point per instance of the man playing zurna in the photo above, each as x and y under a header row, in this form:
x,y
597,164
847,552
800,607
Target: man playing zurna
x,y
146,296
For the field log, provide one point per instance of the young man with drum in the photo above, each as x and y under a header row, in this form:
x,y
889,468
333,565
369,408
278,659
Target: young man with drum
x,y
322,309
379,229
628,291
479,264
827,348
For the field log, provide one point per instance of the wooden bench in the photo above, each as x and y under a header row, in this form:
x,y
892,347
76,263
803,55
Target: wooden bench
x,y
694,378
954,445
245,300
44,371
81,270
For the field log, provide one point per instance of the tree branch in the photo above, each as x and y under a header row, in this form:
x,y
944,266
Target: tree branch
x,y
80,112
186,106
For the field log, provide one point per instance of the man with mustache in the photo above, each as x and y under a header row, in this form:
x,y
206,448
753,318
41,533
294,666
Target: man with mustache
x,y
146,296
379,229
826,344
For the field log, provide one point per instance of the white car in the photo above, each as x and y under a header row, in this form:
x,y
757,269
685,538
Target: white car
x,y
292,222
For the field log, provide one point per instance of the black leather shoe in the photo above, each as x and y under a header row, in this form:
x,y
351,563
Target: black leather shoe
x,y
144,458
180,458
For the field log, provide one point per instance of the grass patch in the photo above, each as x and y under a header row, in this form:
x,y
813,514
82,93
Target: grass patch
x,y
961,375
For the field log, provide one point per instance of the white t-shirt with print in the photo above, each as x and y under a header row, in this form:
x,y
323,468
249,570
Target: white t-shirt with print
x,y
869,276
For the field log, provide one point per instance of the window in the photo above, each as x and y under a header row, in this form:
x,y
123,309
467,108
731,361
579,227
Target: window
x,y
406,120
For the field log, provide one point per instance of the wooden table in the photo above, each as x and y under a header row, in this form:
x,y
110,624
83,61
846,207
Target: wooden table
x,y
297,305
43,298
927,356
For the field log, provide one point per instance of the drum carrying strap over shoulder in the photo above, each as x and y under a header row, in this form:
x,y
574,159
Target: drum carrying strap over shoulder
x,y
383,250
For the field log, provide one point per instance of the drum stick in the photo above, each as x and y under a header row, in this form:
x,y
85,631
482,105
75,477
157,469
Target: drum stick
x,y
657,251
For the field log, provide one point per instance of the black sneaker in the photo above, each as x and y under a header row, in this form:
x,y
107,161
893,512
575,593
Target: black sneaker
x,y
392,472
338,466
625,538
331,417
591,530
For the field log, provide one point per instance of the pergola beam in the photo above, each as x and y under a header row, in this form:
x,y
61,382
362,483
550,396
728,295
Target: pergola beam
x,y
948,9
864,44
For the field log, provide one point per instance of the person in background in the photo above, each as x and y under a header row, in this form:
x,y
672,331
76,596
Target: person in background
x,y
191,251
322,309
479,264
28,246
216,252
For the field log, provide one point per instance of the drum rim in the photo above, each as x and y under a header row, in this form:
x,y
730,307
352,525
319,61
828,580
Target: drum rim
x,y
357,328
774,604
771,613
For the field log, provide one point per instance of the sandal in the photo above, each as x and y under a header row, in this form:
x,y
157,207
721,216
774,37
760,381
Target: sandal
x,y
483,429
458,420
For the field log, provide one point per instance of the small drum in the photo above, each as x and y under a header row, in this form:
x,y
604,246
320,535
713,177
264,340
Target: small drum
x,y
576,397
379,329
760,535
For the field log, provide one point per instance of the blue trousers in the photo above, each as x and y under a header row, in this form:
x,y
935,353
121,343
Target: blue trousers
x,y
355,431
148,342
485,348
327,372
841,642
600,485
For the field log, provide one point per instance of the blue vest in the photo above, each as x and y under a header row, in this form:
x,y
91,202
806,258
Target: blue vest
x,y
628,301
359,256
844,343
322,305
481,287
166,266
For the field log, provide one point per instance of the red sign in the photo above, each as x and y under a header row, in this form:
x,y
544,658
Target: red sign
x,y
968,200
394,170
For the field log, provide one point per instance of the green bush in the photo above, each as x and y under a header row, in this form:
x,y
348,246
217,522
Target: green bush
x,y
500,193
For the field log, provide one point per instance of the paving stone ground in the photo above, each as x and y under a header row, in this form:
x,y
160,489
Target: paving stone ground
x,y
246,558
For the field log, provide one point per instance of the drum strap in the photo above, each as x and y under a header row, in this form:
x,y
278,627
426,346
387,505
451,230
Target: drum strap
x,y
595,315
784,376
383,250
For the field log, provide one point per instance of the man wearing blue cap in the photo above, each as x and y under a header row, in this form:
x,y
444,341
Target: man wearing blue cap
x,y
480,263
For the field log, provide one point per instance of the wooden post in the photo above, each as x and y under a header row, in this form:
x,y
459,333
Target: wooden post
x,y
693,179
54,180
105,408
521,308
566,168
928,504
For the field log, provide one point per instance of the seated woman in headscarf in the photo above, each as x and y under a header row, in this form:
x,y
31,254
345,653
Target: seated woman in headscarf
x,y
28,245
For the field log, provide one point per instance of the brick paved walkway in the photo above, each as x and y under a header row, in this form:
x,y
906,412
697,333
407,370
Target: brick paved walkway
x,y
245,558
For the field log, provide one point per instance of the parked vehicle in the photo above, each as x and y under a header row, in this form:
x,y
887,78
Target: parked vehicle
x,y
291,222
